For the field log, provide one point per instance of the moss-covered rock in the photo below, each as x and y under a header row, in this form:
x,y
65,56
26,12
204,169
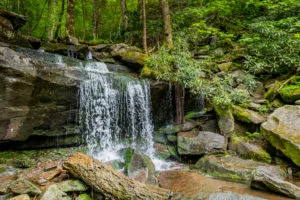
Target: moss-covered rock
x,y
139,167
23,186
225,119
162,151
194,115
282,130
53,192
272,92
290,93
248,151
148,72
72,186
248,116
228,167
173,129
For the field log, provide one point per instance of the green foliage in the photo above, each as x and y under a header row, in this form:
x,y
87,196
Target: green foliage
x,y
251,136
239,96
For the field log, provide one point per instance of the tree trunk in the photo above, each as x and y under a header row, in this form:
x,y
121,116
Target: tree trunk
x,y
84,19
124,14
107,181
144,26
51,18
179,102
95,19
70,24
60,18
167,23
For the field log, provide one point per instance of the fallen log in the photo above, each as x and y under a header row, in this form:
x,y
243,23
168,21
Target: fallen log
x,y
114,185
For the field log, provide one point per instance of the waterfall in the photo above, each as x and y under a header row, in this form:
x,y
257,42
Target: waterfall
x,y
115,114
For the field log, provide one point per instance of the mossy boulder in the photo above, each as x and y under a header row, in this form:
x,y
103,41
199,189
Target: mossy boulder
x,y
173,129
148,72
23,186
162,151
200,143
72,186
272,92
139,167
53,192
282,130
83,197
16,20
228,167
21,197
248,151
225,119
248,116
290,93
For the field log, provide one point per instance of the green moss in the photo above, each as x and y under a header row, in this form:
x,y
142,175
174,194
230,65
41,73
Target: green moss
x,y
129,152
173,151
193,115
172,138
148,72
284,145
84,197
290,93
272,93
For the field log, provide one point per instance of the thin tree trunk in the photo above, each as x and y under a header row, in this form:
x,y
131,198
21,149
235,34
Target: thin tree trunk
x,y
70,24
95,19
144,26
60,18
167,23
124,14
51,18
84,18
179,102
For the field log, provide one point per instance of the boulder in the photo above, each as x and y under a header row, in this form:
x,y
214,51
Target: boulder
x,y
282,130
139,167
290,93
128,55
200,143
272,179
72,186
21,197
248,116
5,181
228,167
297,102
225,120
53,192
23,186
16,20
35,96
248,151
173,129
162,151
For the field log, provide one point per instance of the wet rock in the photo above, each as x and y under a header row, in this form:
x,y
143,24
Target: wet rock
x,y
228,167
282,130
162,151
259,91
53,192
248,116
272,179
139,167
199,143
72,186
21,197
210,126
23,186
35,42
6,196
248,151
32,93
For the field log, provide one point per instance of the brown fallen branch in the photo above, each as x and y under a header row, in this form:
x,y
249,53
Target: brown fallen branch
x,y
112,184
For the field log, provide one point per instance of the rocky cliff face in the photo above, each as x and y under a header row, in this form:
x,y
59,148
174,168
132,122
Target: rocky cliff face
x,y
36,98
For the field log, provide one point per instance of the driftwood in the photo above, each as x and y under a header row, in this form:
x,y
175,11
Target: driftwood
x,y
112,184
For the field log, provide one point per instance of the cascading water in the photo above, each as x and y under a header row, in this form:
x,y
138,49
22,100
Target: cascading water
x,y
115,113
